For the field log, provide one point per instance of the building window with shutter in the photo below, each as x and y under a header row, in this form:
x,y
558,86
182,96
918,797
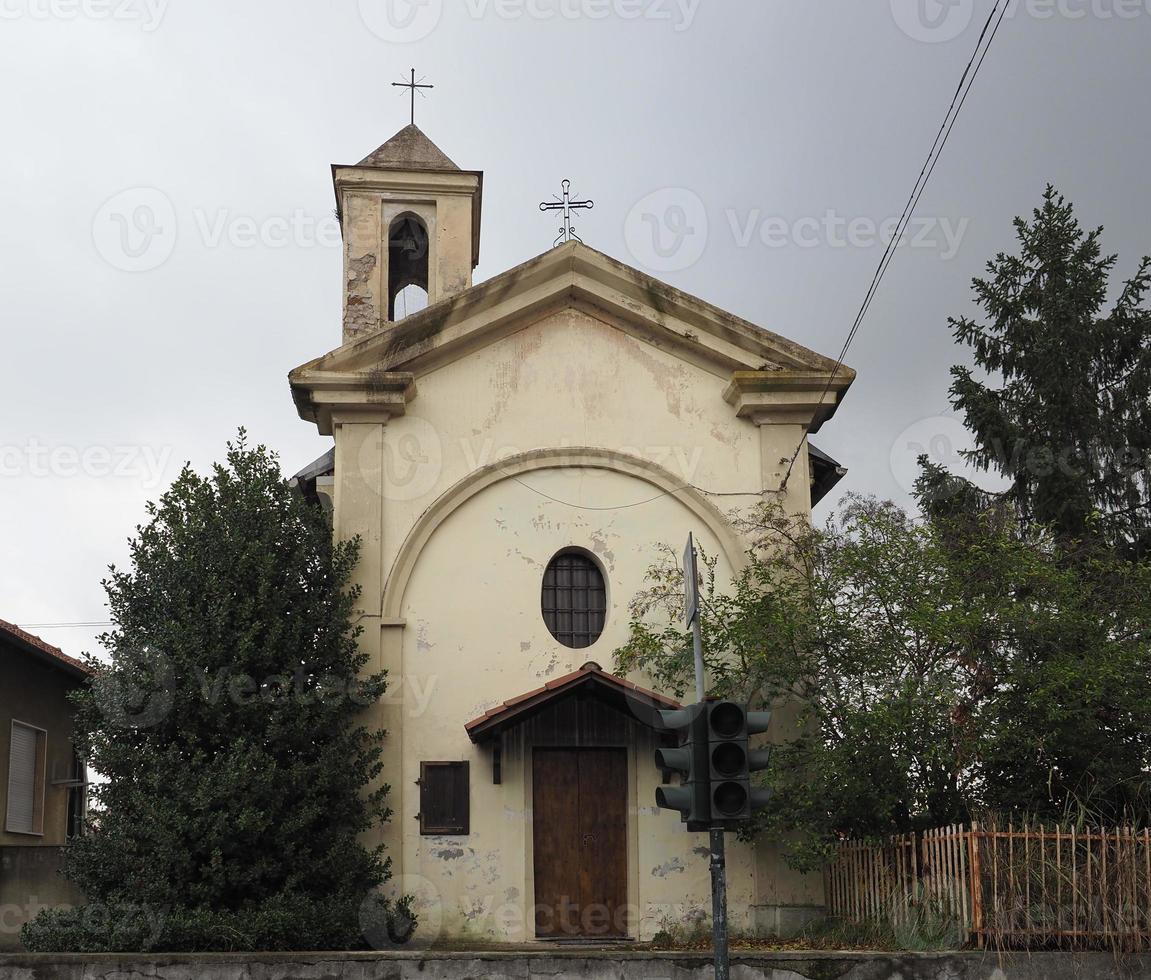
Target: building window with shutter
x,y
26,764
444,802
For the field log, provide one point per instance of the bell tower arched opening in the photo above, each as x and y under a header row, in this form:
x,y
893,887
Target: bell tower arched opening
x,y
408,261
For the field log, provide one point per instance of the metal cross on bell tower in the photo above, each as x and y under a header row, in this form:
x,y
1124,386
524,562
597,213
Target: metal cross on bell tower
x,y
414,86
567,205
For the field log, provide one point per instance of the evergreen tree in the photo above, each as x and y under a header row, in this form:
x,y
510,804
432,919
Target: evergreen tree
x,y
228,727
1065,413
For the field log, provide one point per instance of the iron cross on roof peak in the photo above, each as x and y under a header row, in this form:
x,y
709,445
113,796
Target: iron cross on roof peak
x,y
414,86
566,205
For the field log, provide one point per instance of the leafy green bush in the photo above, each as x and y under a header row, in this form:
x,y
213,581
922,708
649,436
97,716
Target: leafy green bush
x,y
279,924
229,725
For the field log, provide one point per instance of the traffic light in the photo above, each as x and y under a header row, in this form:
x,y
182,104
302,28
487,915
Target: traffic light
x,y
731,799
689,759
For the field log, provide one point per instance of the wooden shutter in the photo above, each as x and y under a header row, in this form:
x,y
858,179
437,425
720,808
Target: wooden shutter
x,y
26,780
445,807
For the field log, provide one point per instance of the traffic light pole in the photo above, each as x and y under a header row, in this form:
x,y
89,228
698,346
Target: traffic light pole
x,y
718,844
719,905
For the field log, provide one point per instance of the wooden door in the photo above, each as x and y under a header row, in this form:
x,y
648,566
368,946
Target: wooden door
x,y
580,835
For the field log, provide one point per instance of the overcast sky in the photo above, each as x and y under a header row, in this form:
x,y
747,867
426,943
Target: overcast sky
x,y
168,252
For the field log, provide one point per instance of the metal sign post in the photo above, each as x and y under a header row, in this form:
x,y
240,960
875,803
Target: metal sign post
x,y
718,844
691,612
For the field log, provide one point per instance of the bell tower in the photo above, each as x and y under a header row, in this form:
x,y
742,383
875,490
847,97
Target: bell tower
x,y
410,219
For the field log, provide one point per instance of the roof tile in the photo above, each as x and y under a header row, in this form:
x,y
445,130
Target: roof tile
x,y
14,632
565,682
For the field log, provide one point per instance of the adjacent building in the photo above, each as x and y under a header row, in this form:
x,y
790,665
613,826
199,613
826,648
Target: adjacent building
x,y
43,782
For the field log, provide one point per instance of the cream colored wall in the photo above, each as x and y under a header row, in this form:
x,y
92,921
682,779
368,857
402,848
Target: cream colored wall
x,y
460,628
568,381
475,637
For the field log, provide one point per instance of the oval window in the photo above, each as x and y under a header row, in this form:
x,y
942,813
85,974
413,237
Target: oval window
x,y
574,600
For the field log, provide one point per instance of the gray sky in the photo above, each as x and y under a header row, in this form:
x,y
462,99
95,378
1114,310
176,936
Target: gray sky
x,y
168,254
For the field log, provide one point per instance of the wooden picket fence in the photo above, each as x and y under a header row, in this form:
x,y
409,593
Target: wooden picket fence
x,y
1005,887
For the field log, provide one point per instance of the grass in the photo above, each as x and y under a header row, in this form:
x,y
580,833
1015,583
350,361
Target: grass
x,y
923,926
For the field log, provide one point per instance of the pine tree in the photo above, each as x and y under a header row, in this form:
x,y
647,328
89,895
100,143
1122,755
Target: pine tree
x,y
228,725
1065,413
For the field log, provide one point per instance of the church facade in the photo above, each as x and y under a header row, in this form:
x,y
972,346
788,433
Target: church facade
x,y
512,457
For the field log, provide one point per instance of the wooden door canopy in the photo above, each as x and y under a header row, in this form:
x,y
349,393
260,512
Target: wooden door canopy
x,y
591,680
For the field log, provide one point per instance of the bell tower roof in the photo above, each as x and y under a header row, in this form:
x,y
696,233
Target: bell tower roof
x,y
410,219
409,149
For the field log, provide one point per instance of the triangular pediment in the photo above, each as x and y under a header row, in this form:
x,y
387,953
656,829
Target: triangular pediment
x,y
750,358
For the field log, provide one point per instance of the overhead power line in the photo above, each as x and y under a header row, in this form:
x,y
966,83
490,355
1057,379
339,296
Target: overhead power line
x,y
966,81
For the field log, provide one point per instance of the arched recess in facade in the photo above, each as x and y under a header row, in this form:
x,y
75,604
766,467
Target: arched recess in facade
x,y
550,459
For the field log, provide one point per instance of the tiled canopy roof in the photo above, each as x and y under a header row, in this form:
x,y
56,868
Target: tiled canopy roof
x,y
590,675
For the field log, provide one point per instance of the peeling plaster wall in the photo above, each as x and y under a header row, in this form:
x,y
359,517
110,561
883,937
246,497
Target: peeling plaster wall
x,y
363,266
469,632
493,646
568,381
368,215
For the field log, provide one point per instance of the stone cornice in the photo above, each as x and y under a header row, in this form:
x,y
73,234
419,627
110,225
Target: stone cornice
x,y
407,184
324,397
807,398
